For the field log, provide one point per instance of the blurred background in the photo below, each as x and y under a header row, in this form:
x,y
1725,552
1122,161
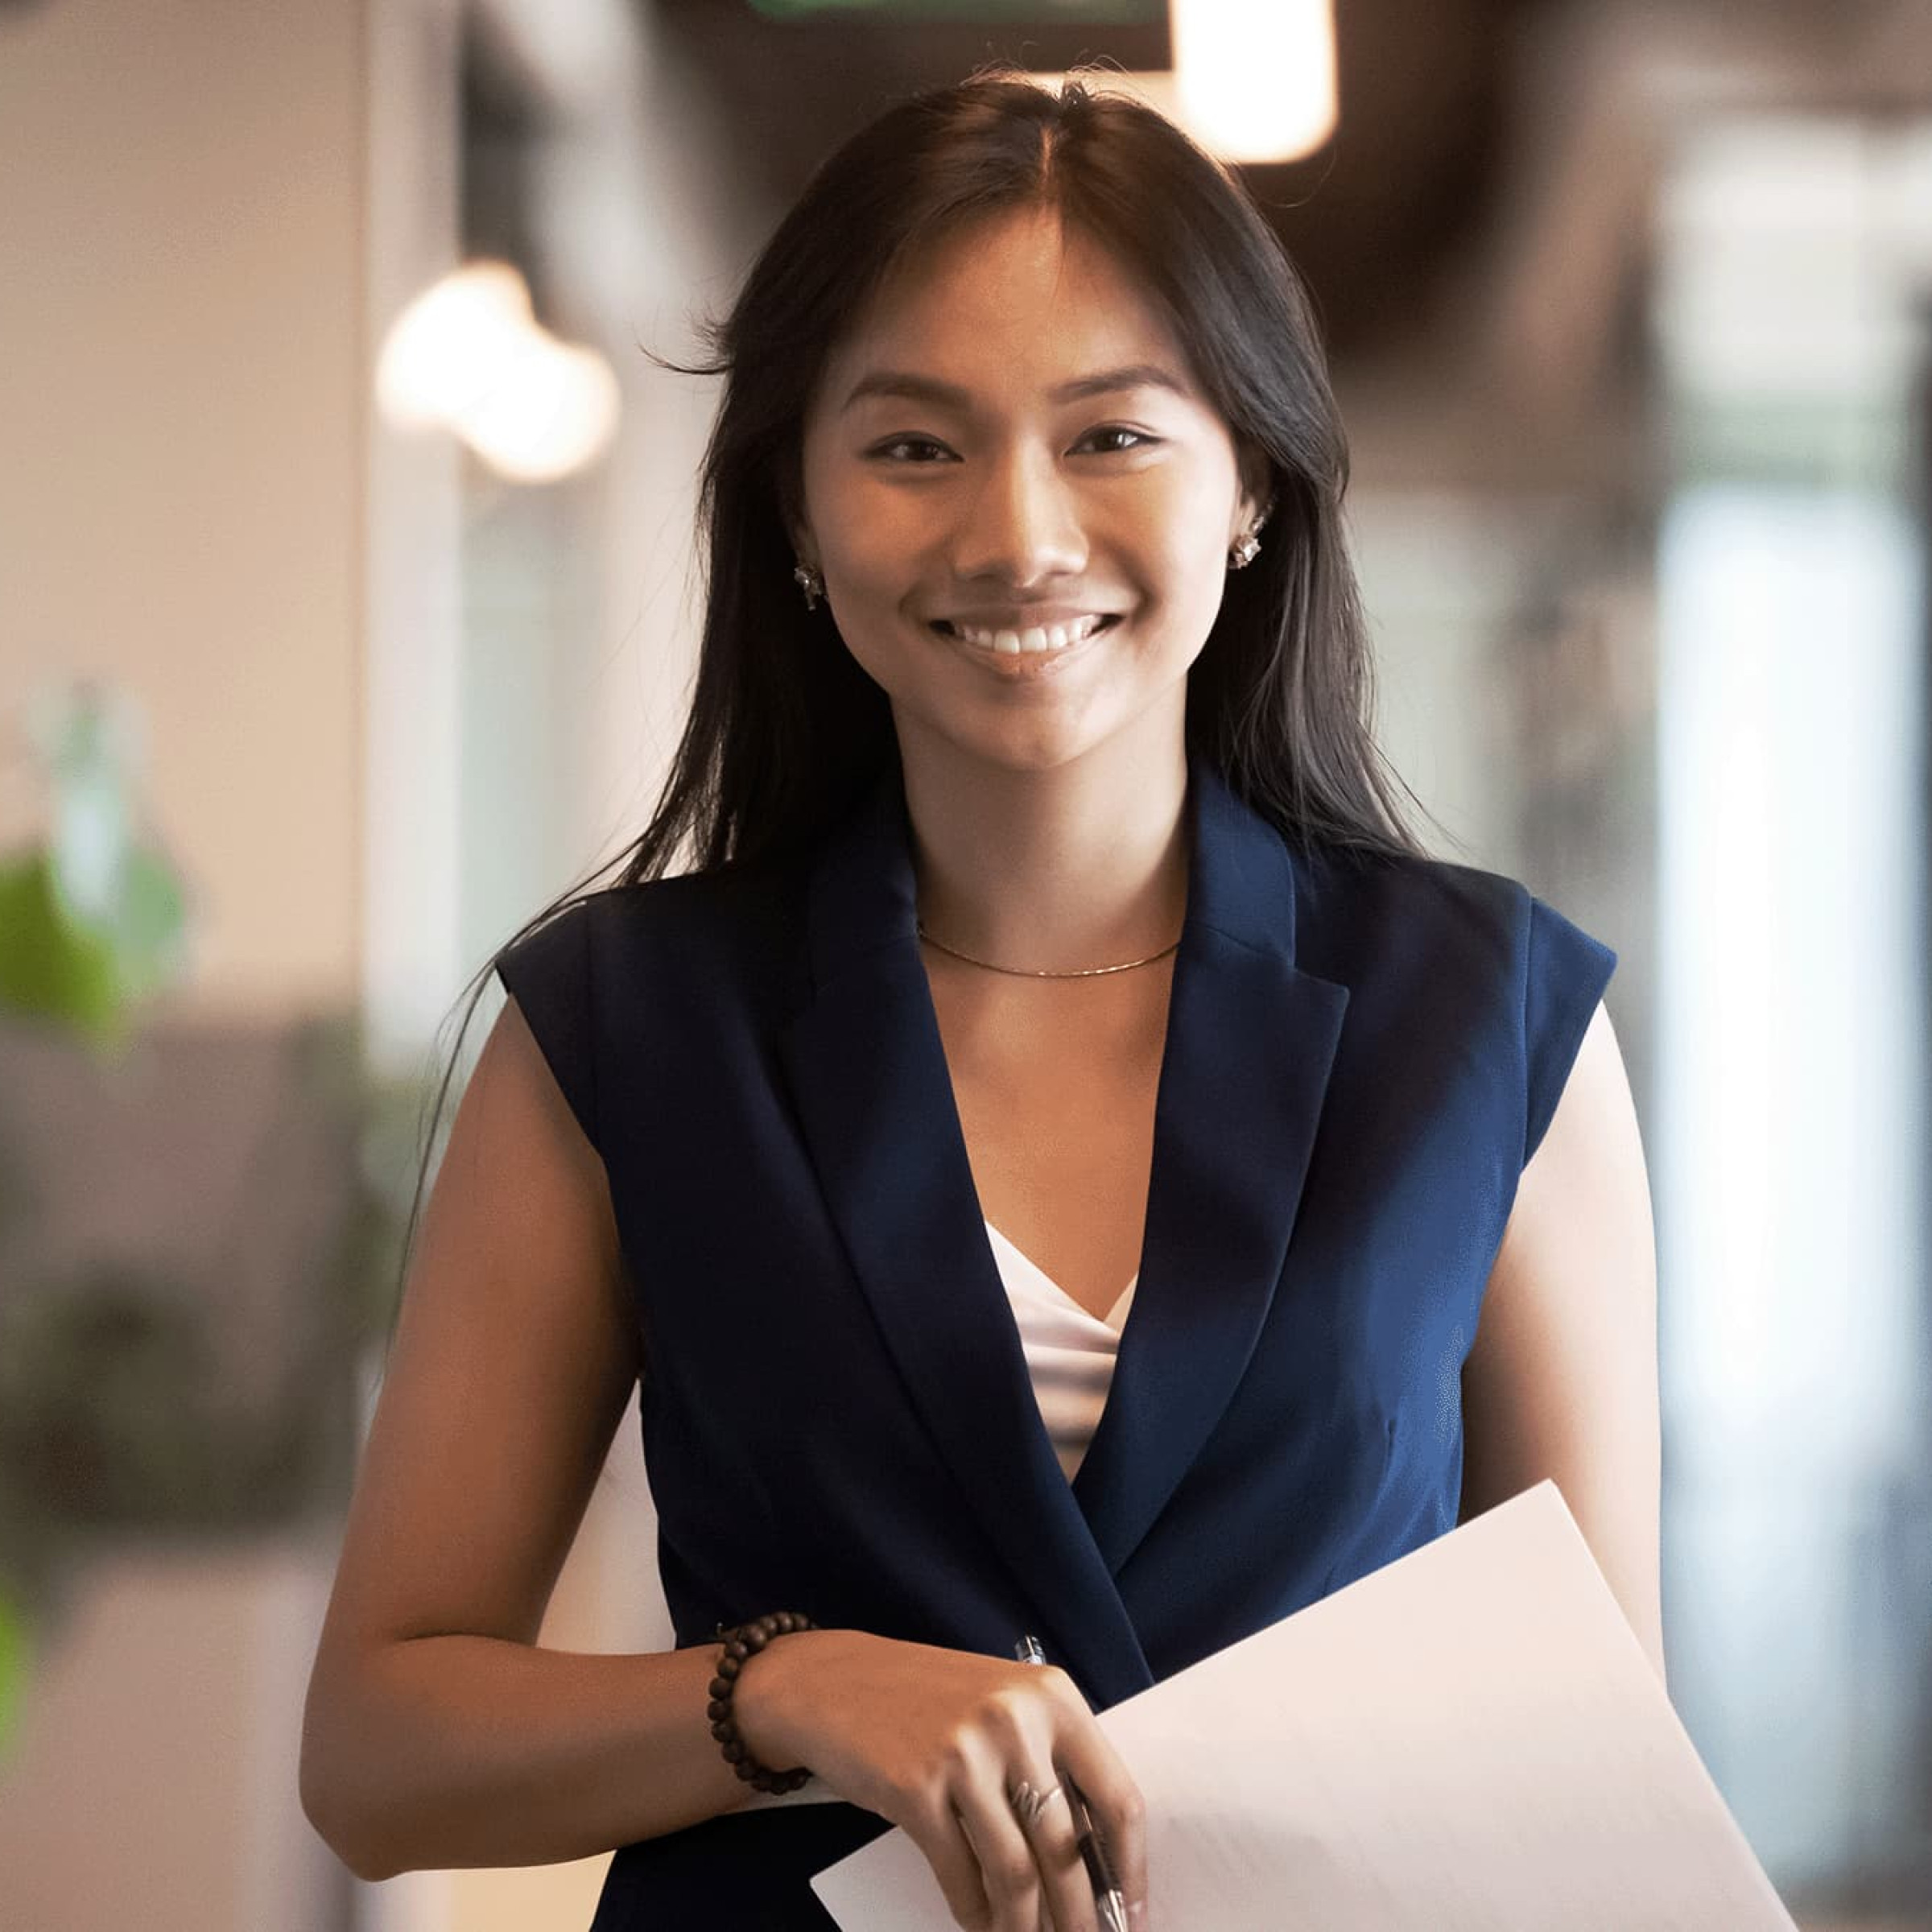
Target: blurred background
x,y
346,615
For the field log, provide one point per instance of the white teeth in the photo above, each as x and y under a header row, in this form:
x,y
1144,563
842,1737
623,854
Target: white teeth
x,y
1011,643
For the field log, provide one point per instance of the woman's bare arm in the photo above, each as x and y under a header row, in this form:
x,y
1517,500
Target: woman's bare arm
x,y
1562,1381
436,1733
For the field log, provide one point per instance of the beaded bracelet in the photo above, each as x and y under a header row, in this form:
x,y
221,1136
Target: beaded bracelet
x,y
742,1642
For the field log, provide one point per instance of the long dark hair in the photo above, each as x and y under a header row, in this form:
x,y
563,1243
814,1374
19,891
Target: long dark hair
x,y
785,729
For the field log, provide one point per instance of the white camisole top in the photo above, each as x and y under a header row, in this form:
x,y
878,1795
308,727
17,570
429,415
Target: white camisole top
x,y
1069,1352
1070,1356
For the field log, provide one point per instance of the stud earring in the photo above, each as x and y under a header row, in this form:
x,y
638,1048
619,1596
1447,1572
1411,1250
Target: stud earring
x,y
1246,547
811,583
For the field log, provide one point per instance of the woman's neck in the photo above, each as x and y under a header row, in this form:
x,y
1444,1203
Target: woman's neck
x,y
1084,865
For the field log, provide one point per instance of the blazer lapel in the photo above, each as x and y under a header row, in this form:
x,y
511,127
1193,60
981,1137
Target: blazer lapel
x,y
1249,1042
1251,1039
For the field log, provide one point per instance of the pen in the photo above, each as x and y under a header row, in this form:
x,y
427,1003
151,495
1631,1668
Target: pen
x,y
1093,1854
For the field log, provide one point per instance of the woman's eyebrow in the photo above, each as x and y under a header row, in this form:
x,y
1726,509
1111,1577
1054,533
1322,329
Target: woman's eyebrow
x,y
946,395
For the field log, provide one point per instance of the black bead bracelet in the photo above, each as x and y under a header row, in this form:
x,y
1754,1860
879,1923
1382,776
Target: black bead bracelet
x,y
742,1642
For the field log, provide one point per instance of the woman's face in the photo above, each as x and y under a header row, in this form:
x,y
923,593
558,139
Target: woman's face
x,y
1012,450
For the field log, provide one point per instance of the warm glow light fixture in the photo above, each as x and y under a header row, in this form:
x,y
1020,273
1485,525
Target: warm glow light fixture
x,y
1255,82
1252,79
468,355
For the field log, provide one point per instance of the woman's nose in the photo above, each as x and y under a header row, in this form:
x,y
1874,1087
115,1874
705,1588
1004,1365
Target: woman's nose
x,y
1020,524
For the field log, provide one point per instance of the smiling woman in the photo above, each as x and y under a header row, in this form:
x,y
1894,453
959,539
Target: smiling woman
x,y
1052,919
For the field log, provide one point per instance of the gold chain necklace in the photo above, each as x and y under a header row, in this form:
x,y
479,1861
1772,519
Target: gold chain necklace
x,y
1028,973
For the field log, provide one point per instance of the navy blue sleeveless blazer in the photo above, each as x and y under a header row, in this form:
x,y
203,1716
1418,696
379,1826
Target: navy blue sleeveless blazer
x,y
1361,1058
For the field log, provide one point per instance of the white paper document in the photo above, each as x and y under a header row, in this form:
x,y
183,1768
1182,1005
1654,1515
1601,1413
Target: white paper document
x,y
1470,1739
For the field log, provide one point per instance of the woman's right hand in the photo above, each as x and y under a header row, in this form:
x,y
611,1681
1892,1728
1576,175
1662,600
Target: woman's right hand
x,y
935,1739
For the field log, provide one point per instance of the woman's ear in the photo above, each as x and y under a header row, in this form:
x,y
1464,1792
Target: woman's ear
x,y
791,514
1255,498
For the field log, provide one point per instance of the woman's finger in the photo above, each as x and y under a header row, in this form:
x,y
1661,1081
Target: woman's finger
x,y
1031,1863
1055,1841
1116,1806
1084,1757
935,1828
1007,1874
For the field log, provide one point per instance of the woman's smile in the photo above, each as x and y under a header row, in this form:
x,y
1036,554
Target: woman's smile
x,y
1034,647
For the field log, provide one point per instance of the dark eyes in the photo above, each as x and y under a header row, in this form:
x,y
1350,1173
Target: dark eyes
x,y
1135,438
920,450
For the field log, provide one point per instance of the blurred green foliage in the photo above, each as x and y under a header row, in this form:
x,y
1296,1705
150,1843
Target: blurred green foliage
x,y
86,975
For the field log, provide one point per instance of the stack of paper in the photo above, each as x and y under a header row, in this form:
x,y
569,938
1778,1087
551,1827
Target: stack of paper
x,y
1470,1739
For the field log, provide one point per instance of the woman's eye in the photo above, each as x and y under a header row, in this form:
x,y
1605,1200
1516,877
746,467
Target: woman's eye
x,y
895,451
1135,438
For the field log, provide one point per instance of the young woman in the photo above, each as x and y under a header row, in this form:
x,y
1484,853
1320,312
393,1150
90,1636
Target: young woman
x,y
1062,1160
